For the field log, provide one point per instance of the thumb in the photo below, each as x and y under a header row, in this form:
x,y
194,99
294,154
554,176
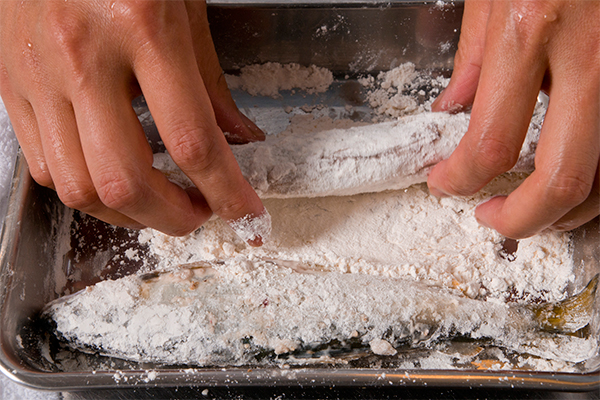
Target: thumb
x,y
461,90
235,125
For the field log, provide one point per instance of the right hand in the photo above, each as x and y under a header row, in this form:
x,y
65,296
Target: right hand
x,y
68,74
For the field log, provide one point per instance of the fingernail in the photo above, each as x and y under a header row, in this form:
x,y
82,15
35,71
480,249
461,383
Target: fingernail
x,y
257,133
563,226
450,106
255,230
438,192
437,103
135,226
489,199
481,221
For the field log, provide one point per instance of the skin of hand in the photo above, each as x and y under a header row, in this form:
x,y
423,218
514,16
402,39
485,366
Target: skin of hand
x,y
508,51
68,74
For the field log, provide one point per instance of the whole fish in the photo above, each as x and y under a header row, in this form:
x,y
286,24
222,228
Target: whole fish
x,y
234,311
362,159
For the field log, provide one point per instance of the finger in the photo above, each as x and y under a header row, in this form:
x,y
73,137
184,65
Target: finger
x,y
502,110
177,98
235,125
24,123
119,160
565,168
467,62
66,163
584,212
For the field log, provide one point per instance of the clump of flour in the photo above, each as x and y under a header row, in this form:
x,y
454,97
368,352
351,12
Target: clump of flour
x,y
271,78
251,228
402,91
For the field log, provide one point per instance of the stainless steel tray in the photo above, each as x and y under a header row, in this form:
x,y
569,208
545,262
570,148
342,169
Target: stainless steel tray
x,y
35,269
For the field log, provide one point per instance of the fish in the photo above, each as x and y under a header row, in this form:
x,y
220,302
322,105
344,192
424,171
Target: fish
x,y
362,159
242,311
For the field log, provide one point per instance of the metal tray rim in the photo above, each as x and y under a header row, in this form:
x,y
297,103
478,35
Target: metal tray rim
x,y
275,376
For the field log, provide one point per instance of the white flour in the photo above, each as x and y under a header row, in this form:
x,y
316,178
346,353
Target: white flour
x,y
402,233
360,159
250,228
406,233
230,313
397,92
271,78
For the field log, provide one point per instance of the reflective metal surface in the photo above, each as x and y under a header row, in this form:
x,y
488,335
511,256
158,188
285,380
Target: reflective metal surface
x,y
345,38
349,39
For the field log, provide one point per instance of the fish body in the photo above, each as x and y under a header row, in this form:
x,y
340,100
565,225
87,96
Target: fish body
x,y
362,159
229,312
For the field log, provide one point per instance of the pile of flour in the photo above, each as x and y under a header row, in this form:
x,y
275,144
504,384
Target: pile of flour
x,y
403,234
271,78
402,91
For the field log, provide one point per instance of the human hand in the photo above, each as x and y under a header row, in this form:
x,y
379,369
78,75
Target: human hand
x,y
508,51
68,74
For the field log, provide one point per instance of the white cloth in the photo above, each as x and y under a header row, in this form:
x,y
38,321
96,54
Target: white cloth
x,y
8,153
10,390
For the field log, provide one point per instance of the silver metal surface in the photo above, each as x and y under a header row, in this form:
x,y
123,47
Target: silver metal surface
x,y
345,38
349,39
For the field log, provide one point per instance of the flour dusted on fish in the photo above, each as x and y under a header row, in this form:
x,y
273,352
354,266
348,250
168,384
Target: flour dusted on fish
x,y
231,312
360,159
402,234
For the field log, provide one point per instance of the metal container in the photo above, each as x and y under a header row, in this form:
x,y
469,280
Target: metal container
x,y
47,250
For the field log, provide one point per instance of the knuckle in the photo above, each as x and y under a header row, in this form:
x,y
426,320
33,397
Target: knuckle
x,y
67,30
194,151
495,156
233,205
568,188
149,22
77,195
120,191
535,19
70,35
